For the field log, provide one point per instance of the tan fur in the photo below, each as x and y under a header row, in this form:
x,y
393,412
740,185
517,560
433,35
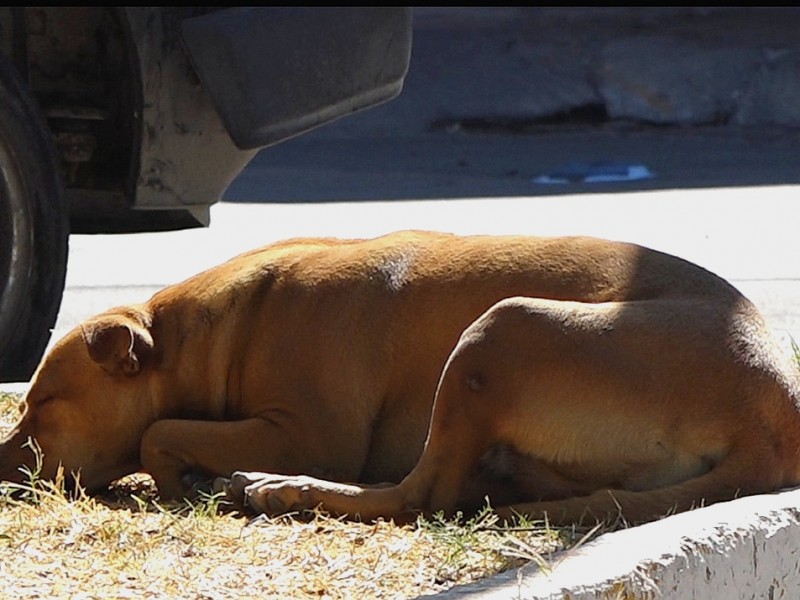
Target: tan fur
x,y
569,376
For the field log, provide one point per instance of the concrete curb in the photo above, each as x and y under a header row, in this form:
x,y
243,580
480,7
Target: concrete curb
x,y
743,549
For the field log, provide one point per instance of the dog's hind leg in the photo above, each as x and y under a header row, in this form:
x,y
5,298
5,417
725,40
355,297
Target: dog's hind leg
x,y
673,402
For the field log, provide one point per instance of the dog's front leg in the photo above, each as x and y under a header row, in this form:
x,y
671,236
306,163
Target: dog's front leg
x,y
435,483
276,494
461,431
175,450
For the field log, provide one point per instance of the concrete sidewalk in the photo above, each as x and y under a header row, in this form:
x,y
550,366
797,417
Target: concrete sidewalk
x,y
744,549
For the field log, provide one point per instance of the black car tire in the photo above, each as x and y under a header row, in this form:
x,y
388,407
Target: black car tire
x,y
34,230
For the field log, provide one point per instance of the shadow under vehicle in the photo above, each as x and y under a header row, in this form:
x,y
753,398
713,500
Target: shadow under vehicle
x,y
123,119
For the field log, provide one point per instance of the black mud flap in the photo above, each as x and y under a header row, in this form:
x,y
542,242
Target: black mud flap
x,y
275,72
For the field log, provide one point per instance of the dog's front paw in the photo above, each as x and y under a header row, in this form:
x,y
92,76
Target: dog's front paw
x,y
264,492
279,494
275,494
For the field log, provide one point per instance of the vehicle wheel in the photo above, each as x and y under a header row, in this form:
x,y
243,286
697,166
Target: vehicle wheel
x,y
34,230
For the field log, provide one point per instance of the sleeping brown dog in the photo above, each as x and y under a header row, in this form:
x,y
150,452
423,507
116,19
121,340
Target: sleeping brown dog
x,y
567,376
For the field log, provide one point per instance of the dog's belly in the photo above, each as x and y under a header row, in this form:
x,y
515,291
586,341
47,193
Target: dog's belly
x,y
535,478
636,476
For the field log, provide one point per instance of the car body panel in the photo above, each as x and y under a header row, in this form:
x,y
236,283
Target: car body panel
x,y
186,159
154,111
276,72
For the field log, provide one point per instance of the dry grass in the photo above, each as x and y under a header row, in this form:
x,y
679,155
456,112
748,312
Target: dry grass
x,y
128,545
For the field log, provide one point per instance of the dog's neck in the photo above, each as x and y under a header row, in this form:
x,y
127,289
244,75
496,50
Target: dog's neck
x,y
191,383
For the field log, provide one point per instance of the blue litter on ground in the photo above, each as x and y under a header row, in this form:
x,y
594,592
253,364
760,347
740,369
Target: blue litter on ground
x,y
595,172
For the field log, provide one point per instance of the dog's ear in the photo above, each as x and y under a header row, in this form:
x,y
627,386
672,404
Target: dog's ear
x,y
120,343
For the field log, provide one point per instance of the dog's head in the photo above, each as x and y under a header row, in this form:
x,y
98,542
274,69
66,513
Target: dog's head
x,y
88,404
